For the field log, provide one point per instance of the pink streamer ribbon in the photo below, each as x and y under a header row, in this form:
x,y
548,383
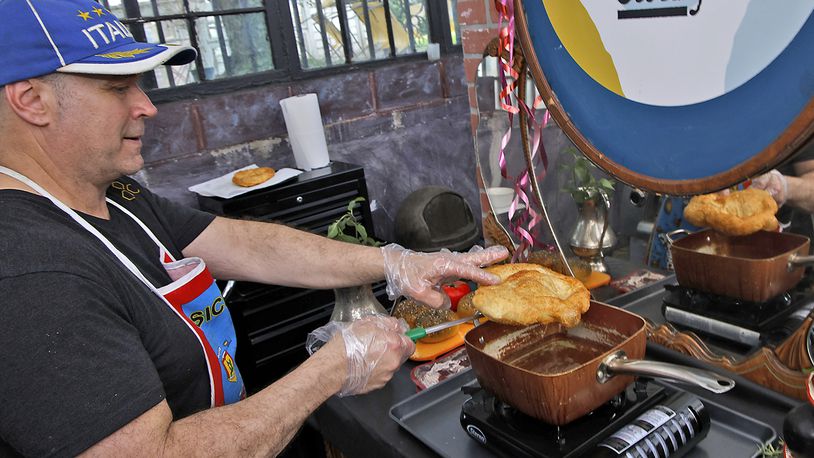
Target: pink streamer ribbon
x,y
524,225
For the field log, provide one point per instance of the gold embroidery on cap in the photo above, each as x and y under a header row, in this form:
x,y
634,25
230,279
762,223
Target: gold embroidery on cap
x,y
124,54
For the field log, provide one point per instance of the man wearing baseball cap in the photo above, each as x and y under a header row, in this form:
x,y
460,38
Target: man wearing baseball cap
x,y
115,338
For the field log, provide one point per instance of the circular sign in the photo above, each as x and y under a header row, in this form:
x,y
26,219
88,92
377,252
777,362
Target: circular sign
x,y
676,96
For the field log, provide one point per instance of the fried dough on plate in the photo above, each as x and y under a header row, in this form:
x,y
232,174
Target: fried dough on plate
x,y
737,213
531,293
253,177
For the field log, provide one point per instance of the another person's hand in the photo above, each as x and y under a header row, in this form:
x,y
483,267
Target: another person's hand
x,y
375,347
775,184
418,275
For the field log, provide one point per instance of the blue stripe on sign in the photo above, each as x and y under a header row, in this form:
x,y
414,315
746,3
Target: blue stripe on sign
x,y
684,142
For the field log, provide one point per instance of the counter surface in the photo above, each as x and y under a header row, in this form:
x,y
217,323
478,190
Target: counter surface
x,y
361,425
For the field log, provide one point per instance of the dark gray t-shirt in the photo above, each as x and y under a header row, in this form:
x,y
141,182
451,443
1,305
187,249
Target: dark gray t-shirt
x,y
86,347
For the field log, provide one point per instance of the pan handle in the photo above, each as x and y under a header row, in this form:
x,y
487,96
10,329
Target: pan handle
x,y
670,236
796,261
618,363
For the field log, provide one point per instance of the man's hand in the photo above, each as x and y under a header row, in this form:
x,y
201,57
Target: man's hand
x,y
374,347
775,184
418,275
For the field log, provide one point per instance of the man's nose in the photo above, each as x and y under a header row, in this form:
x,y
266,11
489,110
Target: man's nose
x,y
143,106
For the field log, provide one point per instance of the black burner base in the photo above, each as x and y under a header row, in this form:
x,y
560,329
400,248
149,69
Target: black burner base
x,y
755,316
510,433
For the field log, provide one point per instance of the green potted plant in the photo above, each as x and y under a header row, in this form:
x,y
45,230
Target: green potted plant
x,y
583,185
353,302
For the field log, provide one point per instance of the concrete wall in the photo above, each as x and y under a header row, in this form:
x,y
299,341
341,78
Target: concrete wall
x,y
406,123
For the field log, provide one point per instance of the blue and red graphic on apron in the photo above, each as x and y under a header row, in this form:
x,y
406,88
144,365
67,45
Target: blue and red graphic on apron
x,y
197,299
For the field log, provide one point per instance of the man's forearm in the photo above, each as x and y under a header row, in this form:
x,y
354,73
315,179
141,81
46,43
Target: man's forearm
x,y
260,425
273,253
265,423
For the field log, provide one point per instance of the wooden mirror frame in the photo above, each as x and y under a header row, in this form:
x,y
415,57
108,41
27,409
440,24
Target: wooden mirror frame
x,y
797,134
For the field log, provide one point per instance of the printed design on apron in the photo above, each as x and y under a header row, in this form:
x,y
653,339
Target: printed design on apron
x,y
192,295
196,298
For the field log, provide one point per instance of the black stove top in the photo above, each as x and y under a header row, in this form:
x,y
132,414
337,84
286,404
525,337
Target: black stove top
x,y
509,432
735,320
750,315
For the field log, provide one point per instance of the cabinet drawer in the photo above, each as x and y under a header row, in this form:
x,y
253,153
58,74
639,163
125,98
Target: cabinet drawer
x,y
272,306
276,305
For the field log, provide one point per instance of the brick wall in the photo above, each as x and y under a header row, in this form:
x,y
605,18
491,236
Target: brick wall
x,y
479,25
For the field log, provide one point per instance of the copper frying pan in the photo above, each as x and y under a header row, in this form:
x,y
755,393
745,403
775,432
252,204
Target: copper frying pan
x,y
754,267
558,374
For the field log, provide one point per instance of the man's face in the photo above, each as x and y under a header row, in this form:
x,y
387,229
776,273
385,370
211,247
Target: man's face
x,y
100,121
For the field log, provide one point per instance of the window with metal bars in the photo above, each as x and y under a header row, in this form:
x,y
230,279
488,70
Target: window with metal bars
x,y
284,39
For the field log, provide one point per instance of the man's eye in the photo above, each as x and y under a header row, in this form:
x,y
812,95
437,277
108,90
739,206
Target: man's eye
x,y
121,89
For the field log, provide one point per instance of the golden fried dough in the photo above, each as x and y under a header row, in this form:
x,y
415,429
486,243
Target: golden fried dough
x,y
531,293
252,177
737,213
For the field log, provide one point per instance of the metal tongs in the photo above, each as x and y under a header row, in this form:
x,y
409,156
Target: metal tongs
x,y
419,332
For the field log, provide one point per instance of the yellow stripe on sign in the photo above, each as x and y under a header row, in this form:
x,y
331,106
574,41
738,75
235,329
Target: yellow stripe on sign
x,y
581,39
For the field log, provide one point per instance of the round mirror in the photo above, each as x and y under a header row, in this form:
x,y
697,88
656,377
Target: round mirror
x,y
680,97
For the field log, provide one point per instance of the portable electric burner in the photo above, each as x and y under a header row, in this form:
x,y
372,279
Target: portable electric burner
x,y
644,420
735,320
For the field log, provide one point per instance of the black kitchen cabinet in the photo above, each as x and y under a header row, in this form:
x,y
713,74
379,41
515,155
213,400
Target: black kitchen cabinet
x,y
272,322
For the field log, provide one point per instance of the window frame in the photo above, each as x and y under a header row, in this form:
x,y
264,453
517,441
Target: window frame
x,y
285,55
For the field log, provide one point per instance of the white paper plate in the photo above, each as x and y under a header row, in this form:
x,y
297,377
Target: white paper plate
x,y
222,186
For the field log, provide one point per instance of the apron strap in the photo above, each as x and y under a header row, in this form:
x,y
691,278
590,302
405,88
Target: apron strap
x,y
165,253
86,225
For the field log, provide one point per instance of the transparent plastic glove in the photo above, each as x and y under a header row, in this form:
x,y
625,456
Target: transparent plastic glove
x,y
418,275
775,184
375,347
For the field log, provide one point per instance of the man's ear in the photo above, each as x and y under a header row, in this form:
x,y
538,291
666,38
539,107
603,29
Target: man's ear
x,y
31,100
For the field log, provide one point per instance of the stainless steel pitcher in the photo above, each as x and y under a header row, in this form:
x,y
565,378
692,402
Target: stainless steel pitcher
x,y
592,233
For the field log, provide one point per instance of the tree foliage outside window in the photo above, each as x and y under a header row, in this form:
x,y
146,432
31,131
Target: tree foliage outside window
x,y
237,38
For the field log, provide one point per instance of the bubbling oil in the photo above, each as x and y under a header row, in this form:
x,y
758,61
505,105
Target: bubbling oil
x,y
557,353
548,349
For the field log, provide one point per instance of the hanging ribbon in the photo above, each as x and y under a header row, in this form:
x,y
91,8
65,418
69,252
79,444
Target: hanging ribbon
x,y
522,226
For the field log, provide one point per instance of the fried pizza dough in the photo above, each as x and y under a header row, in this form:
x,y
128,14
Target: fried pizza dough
x,y
531,293
737,213
253,177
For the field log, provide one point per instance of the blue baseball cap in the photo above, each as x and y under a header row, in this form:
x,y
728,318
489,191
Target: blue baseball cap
x,y
38,37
